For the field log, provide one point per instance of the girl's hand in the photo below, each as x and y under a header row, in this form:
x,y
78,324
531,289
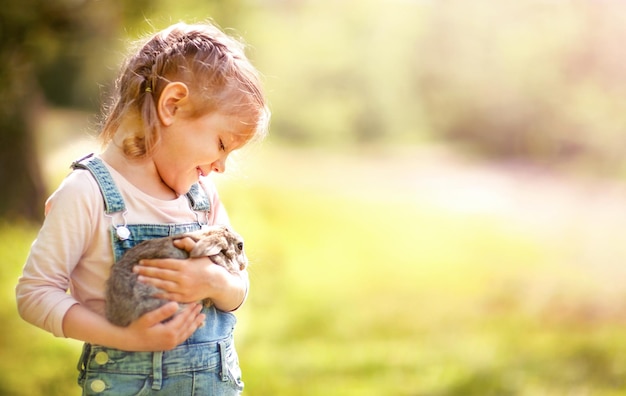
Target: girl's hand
x,y
183,281
148,333
193,279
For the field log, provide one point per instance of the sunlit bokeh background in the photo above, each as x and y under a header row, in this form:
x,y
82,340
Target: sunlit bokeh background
x,y
439,208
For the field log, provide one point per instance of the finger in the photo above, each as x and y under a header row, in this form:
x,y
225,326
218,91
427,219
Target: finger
x,y
194,321
186,318
152,272
197,318
165,285
186,244
171,264
198,321
159,315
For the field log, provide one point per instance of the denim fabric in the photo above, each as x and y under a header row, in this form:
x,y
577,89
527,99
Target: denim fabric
x,y
201,369
143,232
205,364
113,201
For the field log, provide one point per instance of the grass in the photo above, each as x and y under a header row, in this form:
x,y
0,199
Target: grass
x,y
32,362
359,293
355,304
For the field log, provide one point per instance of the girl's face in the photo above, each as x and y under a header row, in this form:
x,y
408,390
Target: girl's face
x,y
193,147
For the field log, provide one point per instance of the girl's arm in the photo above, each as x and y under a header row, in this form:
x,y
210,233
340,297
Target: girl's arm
x,y
68,236
145,334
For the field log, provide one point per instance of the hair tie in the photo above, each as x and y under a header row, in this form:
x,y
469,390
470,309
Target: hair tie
x,y
148,89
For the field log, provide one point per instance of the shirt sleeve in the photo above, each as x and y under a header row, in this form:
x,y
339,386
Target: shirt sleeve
x,y
68,228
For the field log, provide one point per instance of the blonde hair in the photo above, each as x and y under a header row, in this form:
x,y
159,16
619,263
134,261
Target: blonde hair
x,y
212,64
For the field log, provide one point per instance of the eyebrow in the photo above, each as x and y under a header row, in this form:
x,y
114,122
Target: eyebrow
x,y
233,142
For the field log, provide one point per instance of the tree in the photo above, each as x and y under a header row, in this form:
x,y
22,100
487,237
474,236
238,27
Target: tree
x,y
34,38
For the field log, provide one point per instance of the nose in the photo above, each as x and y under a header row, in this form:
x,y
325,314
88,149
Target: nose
x,y
219,166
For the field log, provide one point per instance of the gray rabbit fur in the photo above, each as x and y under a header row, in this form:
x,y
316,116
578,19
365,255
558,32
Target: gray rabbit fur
x,y
127,299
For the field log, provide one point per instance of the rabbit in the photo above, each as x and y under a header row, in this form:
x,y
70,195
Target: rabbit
x,y
127,299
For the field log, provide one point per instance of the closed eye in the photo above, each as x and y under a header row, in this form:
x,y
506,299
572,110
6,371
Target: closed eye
x,y
222,147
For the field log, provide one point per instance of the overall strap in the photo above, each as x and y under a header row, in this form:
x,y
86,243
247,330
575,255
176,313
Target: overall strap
x,y
198,199
113,201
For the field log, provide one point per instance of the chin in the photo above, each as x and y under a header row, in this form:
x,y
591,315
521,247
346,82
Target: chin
x,y
185,189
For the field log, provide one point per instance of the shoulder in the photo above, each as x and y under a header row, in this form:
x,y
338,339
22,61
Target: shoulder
x,y
72,217
78,189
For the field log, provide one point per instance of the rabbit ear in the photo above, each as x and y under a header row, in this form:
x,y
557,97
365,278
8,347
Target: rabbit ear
x,y
208,246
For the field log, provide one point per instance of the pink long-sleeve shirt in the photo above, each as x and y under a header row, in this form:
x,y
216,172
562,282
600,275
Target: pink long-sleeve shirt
x,y
73,250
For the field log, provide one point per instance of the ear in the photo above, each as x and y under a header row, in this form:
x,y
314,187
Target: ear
x,y
173,96
209,246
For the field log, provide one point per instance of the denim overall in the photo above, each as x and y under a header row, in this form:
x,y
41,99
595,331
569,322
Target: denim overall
x,y
205,364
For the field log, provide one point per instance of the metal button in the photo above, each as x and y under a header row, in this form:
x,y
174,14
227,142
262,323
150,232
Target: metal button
x,y
98,386
101,358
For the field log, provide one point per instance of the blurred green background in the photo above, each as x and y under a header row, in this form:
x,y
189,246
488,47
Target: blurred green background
x,y
437,211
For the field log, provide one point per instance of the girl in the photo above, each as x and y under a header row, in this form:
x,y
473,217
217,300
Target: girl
x,y
185,100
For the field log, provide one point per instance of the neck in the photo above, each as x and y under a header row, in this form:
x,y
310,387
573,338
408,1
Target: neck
x,y
141,172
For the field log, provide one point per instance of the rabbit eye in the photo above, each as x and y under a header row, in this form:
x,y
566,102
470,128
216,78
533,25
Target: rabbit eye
x,y
240,246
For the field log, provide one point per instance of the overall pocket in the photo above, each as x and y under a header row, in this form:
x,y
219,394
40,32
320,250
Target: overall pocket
x,y
230,371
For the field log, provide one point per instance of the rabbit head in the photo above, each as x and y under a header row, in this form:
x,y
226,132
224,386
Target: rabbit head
x,y
221,244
